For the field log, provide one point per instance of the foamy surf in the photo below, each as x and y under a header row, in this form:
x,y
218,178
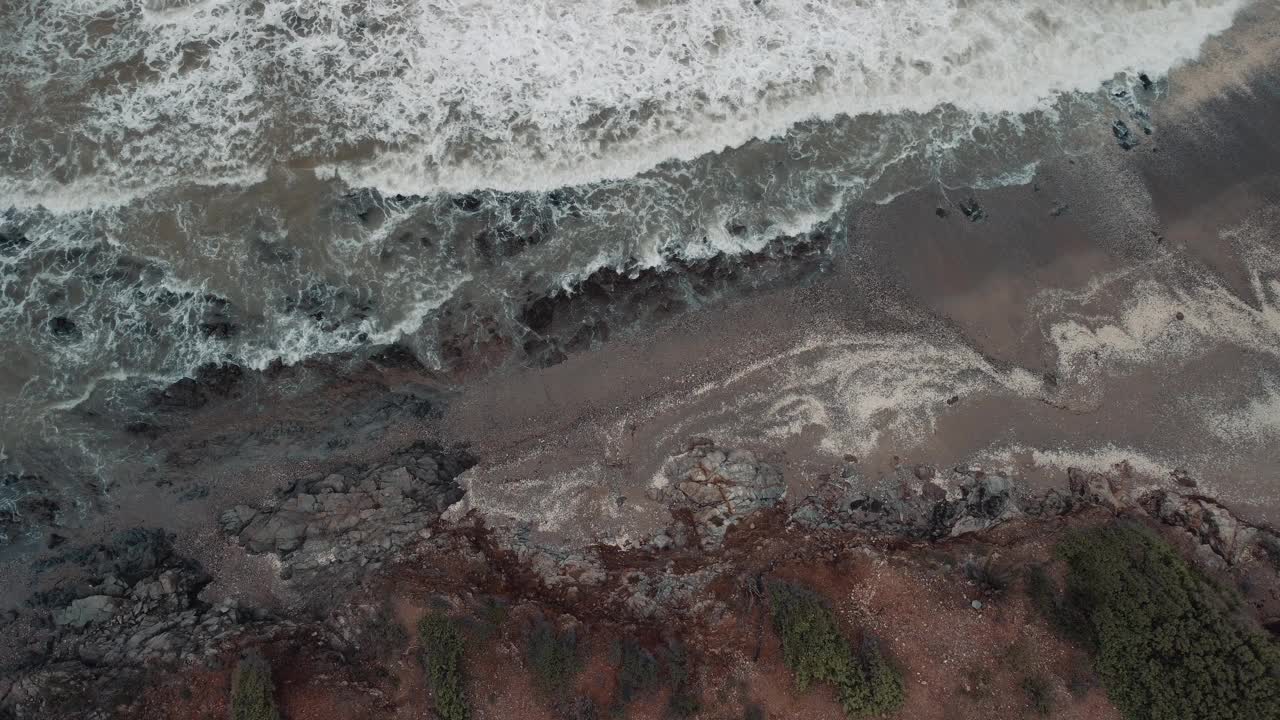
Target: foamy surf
x,y
417,97
186,182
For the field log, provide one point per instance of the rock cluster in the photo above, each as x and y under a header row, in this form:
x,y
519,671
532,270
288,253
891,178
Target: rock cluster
x,y
121,606
345,522
977,502
1231,540
718,488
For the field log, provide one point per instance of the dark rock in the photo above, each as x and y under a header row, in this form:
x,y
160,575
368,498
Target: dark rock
x,y
220,329
1095,488
1124,137
972,210
942,212
925,472
63,327
538,314
932,492
396,356
185,394
220,379
142,427
11,243
1146,81
1181,476
1180,316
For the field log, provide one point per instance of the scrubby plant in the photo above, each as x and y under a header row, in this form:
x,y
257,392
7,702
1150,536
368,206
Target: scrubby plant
x,y
1166,643
1039,694
442,645
1066,618
553,657
637,670
976,681
816,651
252,691
991,575
490,618
683,702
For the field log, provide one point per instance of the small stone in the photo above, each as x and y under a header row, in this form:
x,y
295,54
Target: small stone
x,y
976,604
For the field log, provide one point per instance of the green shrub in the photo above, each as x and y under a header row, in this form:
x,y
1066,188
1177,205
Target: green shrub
x,y
443,647
252,692
553,658
490,618
1039,694
815,651
989,574
1066,618
683,702
1165,641
637,670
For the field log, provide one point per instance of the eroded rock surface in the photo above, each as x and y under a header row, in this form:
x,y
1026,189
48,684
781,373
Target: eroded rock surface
x,y
719,488
344,522
116,609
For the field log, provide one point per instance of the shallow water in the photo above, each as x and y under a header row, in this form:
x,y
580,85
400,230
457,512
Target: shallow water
x,y
186,182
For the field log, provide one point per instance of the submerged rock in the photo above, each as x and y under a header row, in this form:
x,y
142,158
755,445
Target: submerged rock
x,y
1124,136
972,210
63,327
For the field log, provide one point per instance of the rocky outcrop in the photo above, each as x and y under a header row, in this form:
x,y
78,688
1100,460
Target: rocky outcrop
x,y
119,607
340,524
977,501
719,488
1215,527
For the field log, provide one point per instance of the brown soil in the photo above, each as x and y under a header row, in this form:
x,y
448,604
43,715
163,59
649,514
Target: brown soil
x,y
916,600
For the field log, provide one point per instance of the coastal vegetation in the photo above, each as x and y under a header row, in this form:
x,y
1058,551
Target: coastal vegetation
x,y
252,690
1167,643
552,655
816,651
442,646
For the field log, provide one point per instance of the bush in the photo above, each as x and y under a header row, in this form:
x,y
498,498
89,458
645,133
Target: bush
x,y
443,647
553,658
637,670
815,651
1039,694
683,702
1166,643
1066,618
252,692
991,576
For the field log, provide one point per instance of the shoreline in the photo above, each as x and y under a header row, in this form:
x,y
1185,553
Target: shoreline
x,y
1102,342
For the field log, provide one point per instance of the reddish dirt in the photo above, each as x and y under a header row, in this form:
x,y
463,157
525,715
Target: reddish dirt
x,y
957,662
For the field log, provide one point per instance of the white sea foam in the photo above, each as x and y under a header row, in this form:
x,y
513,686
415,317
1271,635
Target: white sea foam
x,y
486,93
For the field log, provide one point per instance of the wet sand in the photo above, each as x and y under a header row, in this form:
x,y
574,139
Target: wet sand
x,y
1153,260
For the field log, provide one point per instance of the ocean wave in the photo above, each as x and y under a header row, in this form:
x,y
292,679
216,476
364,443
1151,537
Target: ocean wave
x,y
423,97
